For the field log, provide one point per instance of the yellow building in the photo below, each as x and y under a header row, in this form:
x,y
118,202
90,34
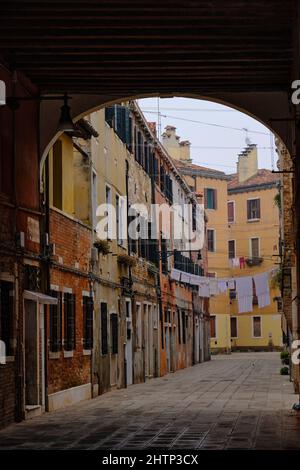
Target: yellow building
x,y
243,240
253,228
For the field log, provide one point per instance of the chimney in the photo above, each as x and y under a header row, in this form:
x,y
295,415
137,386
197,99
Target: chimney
x,y
176,149
185,151
247,163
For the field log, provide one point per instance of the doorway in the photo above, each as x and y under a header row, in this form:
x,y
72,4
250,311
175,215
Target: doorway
x,y
128,346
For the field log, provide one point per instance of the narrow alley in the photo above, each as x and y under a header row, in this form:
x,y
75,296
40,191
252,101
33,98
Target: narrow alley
x,y
239,401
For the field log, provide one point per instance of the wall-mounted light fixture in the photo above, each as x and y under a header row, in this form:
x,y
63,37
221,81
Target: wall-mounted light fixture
x,y
65,122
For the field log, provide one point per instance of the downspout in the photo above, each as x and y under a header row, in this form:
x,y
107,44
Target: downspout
x,y
158,283
46,223
19,397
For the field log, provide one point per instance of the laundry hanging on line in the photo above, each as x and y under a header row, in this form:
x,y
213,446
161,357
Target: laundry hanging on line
x,y
243,285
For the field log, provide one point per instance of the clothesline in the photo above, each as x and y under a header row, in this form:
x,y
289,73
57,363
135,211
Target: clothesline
x,y
244,286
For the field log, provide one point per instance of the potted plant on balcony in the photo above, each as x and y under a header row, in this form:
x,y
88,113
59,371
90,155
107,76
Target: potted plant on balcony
x,y
254,261
102,246
127,260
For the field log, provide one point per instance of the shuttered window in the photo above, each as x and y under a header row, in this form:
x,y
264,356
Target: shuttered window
x,y
254,247
233,327
56,322
178,326
253,209
257,327
211,240
164,255
6,315
104,342
210,198
69,321
231,249
213,326
230,209
88,309
183,324
114,333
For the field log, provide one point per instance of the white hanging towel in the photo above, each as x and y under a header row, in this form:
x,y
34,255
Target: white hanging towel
x,y
204,288
195,280
185,277
175,274
222,286
244,289
213,287
262,288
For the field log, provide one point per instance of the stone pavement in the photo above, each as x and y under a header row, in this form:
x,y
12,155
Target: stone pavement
x,y
232,402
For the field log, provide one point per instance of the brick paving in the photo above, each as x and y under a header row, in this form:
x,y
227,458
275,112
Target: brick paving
x,y
232,402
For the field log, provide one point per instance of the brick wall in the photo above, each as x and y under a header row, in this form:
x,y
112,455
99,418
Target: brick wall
x,y
72,254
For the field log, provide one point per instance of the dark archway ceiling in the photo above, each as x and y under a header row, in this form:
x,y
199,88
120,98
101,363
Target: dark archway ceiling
x,y
138,47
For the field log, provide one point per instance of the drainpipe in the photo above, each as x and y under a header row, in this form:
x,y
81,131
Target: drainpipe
x,y
46,270
19,397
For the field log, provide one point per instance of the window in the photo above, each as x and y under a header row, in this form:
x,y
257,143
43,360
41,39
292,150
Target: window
x,y
57,175
56,322
210,198
231,249
6,315
104,342
183,323
138,326
88,308
233,327
69,321
254,247
253,209
179,326
211,240
164,255
120,219
114,333
213,326
257,327
231,211
108,201
94,197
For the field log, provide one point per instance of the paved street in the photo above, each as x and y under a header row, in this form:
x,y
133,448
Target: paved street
x,y
233,402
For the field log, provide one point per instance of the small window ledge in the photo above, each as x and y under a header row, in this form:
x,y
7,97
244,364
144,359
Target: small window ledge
x,y
68,354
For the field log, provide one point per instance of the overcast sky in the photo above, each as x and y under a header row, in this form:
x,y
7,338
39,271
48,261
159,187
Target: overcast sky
x,y
213,146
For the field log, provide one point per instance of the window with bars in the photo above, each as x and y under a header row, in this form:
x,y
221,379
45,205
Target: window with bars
x,y
104,339
56,323
69,321
231,249
253,209
114,333
211,245
210,198
88,309
6,315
